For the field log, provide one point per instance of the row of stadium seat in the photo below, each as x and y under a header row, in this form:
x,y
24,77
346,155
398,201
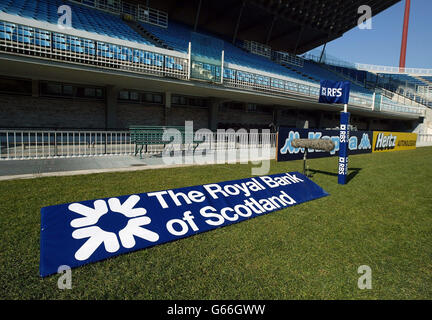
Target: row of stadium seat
x,y
405,78
357,75
83,18
30,36
313,69
24,35
178,36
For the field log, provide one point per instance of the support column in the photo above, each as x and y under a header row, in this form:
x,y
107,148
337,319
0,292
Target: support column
x,y
238,22
369,125
111,107
402,60
197,15
320,120
277,115
35,88
167,109
213,107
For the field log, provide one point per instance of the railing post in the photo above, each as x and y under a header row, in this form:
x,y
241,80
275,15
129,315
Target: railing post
x,y
190,60
222,66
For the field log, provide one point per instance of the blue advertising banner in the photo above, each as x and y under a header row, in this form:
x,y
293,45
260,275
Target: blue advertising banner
x,y
344,137
358,142
334,92
83,232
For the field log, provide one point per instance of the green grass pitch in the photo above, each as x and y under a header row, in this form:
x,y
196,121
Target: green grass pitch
x,y
382,218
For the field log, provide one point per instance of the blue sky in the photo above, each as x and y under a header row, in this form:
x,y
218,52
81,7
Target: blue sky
x,y
382,44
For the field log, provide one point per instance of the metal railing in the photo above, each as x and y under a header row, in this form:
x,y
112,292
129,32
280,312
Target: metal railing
x,y
424,138
387,69
40,144
137,11
287,58
67,47
266,83
389,105
257,48
401,98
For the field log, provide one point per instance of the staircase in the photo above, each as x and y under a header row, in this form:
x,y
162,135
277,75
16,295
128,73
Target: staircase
x,y
147,35
304,75
346,77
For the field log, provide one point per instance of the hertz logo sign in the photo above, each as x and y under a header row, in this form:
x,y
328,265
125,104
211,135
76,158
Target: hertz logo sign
x,y
385,142
393,141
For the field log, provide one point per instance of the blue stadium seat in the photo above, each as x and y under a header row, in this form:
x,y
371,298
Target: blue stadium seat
x,y
178,37
84,18
5,36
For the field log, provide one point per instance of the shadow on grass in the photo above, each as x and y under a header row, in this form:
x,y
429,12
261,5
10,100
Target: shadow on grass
x,y
353,172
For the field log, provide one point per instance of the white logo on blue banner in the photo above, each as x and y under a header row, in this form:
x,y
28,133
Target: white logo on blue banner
x,y
83,232
334,92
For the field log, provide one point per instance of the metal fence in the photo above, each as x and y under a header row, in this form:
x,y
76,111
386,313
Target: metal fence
x,y
137,11
20,145
66,47
266,83
288,58
391,106
396,70
63,144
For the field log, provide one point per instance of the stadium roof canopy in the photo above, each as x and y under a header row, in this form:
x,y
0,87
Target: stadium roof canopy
x,y
295,26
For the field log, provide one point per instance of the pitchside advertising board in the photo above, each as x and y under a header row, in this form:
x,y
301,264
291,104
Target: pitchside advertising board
x,y
83,232
358,142
393,141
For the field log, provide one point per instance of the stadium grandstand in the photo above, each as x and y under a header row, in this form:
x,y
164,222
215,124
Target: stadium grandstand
x,y
222,64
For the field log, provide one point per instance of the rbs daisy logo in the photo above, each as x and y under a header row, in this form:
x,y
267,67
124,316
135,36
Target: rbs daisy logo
x,y
110,223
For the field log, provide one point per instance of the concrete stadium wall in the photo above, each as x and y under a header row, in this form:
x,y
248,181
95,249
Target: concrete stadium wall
x,y
427,123
239,117
37,112
177,115
18,111
137,114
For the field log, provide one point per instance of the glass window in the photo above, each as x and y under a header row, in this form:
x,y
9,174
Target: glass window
x,y
157,98
89,92
70,91
175,99
134,96
67,90
16,86
99,93
148,97
54,89
124,95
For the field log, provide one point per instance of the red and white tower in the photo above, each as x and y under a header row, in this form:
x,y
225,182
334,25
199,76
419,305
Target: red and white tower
x,y
402,60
